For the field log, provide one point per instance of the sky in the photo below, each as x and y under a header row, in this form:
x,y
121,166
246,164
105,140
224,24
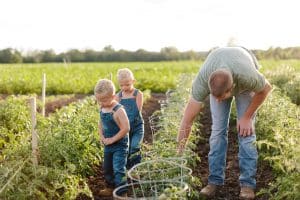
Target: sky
x,y
196,25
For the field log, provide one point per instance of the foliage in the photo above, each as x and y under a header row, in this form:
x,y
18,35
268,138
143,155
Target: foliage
x,y
287,78
279,141
70,138
164,124
14,120
109,54
68,148
10,55
80,78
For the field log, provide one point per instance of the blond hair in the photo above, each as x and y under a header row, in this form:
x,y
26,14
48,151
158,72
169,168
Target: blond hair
x,y
104,87
220,82
125,74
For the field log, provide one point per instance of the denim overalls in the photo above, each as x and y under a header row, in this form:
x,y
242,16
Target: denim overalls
x,y
136,133
115,155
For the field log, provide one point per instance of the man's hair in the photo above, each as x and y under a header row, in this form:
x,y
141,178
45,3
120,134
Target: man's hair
x,y
125,74
220,82
104,87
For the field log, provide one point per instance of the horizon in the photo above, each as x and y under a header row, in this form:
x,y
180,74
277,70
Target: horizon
x,y
116,50
147,24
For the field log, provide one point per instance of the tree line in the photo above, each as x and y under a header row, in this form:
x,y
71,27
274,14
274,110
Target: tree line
x,y
108,54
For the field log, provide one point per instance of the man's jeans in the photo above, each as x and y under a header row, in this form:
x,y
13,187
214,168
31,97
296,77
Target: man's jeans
x,y
220,112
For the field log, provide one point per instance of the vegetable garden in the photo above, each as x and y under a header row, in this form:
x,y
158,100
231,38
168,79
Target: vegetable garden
x,y
70,154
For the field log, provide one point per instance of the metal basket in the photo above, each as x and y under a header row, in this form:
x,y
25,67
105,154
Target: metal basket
x,y
160,170
152,190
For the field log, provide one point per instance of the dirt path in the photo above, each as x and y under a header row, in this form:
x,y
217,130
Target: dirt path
x,y
231,189
52,106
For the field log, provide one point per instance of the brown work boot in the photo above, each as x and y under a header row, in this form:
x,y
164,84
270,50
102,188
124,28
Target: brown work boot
x,y
106,192
209,190
247,193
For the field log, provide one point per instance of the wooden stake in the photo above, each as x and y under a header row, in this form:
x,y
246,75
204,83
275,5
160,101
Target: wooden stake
x,y
34,141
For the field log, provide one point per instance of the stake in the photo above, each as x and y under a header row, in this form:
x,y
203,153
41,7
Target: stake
x,y
34,141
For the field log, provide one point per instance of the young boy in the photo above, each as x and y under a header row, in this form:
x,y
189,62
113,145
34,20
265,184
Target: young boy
x,y
132,100
113,130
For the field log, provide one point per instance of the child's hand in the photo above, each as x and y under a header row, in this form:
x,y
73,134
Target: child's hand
x,y
108,141
102,139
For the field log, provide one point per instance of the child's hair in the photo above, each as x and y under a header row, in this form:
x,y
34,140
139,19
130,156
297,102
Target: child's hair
x,y
104,87
124,74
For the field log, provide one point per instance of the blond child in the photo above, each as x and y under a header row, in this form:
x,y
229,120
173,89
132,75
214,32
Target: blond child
x,y
132,100
113,130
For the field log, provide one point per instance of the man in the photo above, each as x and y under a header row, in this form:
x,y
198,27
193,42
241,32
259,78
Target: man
x,y
228,72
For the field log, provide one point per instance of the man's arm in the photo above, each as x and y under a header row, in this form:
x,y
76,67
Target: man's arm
x,y
192,108
244,125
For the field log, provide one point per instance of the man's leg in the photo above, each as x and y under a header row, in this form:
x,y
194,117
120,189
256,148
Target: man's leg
x,y
247,149
218,140
220,112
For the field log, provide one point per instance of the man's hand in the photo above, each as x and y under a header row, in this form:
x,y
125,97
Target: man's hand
x,y
181,147
245,127
192,109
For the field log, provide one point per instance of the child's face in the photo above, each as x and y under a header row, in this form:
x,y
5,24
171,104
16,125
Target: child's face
x,y
126,85
105,101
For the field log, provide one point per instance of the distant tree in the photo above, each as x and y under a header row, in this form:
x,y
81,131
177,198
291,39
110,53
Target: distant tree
x,y
48,56
109,54
10,55
108,48
90,55
74,55
170,53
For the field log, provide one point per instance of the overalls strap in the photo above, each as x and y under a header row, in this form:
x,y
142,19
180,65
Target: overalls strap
x,y
135,92
116,107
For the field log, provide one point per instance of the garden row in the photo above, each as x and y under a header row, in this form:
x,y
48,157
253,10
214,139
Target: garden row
x,y
68,150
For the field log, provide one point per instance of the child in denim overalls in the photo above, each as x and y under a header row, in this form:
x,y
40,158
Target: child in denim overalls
x,y
113,130
132,100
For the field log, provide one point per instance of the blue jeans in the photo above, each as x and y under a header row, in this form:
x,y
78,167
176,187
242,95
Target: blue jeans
x,y
136,136
115,158
248,155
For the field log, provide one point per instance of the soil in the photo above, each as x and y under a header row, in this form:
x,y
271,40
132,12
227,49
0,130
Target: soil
x,y
52,106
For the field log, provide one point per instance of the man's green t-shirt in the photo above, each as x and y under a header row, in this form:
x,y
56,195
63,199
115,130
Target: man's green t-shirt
x,y
241,64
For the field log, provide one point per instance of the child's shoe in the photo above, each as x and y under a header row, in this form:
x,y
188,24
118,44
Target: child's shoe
x,y
106,192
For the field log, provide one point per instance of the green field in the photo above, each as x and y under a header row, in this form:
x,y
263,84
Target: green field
x,y
80,78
